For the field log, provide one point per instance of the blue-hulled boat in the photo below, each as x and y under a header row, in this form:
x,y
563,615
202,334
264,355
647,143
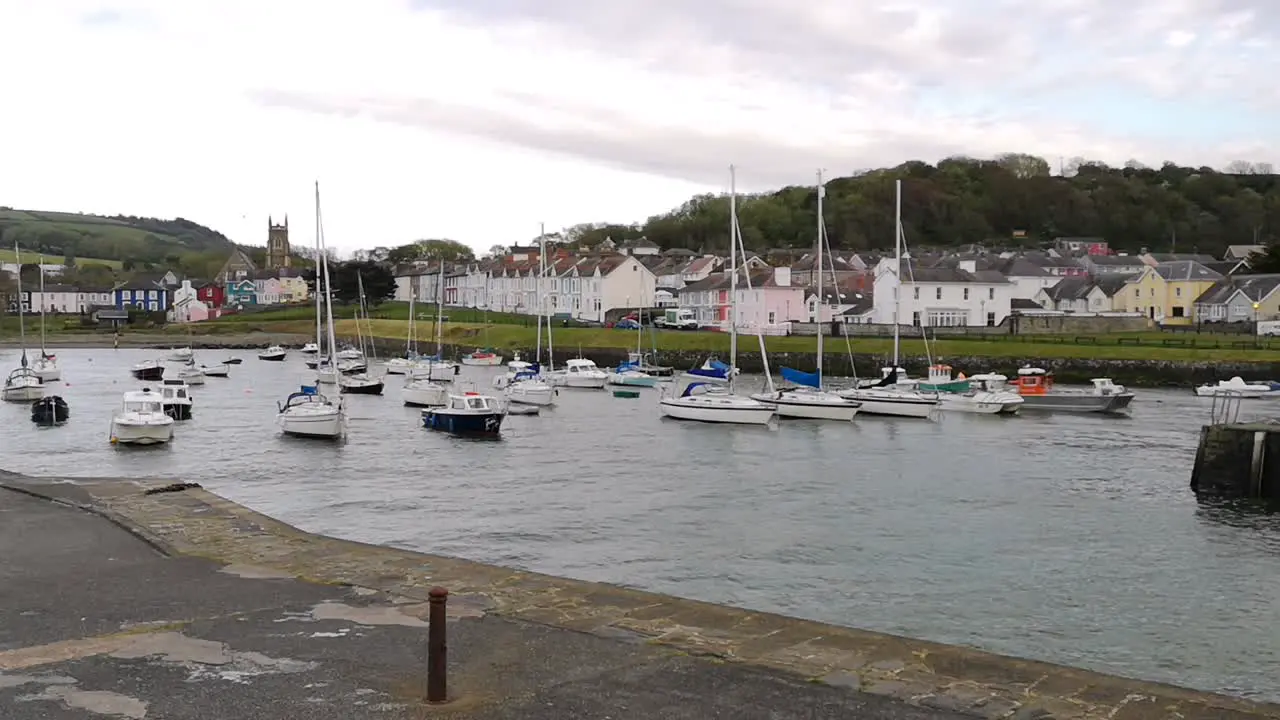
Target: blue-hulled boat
x,y
466,414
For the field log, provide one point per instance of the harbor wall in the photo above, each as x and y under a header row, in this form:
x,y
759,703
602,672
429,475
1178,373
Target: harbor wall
x,y
184,519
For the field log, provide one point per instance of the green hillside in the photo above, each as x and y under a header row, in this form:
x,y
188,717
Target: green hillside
x,y
117,240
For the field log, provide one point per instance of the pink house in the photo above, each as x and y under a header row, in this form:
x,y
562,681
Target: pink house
x,y
771,300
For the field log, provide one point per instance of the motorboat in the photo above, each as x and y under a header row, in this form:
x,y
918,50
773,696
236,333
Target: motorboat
x,y
1035,385
469,413
1237,387
179,355
350,353
424,392
175,399
23,385
310,349
809,403
983,394
191,375
486,358
399,366
141,420
151,370
527,387
220,370
360,384
307,413
275,353
514,408
578,373
46,367
707,398
514,368
50,410
628,374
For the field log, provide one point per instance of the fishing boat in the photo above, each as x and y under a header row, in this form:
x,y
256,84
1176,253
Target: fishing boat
x,y
980,395
1236,387
806,398
151,370
1035,385
50,410
307,413
141,420
45,366
467,414
275,353
175,399
940,380
888,396
484,358
706,394
578,373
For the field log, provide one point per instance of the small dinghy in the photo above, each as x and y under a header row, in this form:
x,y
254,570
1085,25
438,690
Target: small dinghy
x,y
514,408
232,361
50,410
221,371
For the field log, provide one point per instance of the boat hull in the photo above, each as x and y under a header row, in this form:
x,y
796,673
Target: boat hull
x,y
124,433
222,371
488,361
22,393
272,357
51,410
580,382
1082,403
893,407
531,394
727,414
455,423
149,373
632,380
361,389
981,403
799,408
327,426
427,396
47,371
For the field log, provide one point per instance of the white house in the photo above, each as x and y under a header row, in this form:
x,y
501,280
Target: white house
x,y
88,298
186,306
940,296
55,299
1025,277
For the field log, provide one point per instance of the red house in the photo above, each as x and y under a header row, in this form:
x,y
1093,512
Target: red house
x,y
211,294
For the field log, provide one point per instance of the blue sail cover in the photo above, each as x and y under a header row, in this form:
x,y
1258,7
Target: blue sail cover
x,y
715,373
812,380
309,389
717,365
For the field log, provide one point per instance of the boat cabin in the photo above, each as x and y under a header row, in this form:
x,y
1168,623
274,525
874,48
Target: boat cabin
x,y
24,376
471,402
1033,381
989,382
307,395
579,366
143,402
1104,386
175,390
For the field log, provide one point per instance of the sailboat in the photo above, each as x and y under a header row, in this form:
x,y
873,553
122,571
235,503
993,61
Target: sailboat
x,y
807,399
435,366
362,383
45,366
524,383
886,397
707,395
23,384
629,373
307,413
402,365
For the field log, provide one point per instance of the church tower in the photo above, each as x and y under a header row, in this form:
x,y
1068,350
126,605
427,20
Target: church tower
x,y
277,244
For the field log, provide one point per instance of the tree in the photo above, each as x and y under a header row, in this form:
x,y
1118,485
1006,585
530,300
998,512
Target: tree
x,y
346,278
437,249
1023,166
496,251
1267,261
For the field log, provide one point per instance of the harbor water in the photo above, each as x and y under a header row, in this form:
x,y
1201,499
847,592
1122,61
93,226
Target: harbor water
x,y
1066,538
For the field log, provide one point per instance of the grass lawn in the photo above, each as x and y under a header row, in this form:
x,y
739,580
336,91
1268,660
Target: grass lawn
x,y
1140,347
8,256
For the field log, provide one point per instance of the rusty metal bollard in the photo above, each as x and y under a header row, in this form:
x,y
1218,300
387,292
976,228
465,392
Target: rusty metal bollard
x,y
437,649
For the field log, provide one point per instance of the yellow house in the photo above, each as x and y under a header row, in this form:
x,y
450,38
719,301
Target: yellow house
x,y
1166,293
293,289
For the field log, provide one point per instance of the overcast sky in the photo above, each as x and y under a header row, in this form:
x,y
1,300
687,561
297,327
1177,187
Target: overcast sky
x,y
477,119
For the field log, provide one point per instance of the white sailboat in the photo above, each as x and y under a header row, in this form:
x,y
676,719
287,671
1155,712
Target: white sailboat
x,y
23,384
523,383
807,399
45,366
887,397
307,413
402,365
707,395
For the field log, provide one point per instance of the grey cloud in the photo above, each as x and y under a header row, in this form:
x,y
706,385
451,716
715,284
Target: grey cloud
x,y
679,153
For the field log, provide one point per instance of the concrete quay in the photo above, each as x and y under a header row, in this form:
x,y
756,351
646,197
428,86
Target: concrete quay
x,y
146,600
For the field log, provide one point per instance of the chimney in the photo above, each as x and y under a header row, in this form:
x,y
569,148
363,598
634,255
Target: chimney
x,y
782,276
969,266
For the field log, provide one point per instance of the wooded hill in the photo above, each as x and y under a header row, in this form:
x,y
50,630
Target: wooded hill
x,y
122,238
1010,201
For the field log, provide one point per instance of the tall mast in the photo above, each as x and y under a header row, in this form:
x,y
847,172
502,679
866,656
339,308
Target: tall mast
x,y
440,312
897,251
319,285
537,310
22,324
411,336
733,273
43,354
822,191
328,291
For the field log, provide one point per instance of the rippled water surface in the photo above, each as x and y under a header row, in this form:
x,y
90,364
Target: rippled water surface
x,y
1073,539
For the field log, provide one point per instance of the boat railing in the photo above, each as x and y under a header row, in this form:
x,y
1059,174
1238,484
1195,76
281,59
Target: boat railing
x,y
1225,407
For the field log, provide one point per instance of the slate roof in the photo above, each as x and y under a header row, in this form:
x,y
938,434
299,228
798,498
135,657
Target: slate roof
x,y
1186,270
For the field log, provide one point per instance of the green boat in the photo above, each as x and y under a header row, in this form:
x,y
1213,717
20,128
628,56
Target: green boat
x,y
940,380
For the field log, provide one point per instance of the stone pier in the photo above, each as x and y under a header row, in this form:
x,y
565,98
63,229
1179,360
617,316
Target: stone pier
x,y
160,600
1238,461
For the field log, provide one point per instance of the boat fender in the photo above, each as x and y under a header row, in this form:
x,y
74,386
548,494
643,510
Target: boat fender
x,y
457,369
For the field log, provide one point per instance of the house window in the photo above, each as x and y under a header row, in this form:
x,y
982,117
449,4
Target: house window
x,y
773,317
991,293
937,293
917,293
1177,292
1137,293
915,318
991,319
1178,311
966,293
1153,292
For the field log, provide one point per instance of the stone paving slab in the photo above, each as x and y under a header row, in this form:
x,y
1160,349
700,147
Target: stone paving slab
x,y
525,644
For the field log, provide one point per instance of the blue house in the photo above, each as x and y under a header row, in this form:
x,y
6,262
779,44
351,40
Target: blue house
x,y
140,295
241,293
